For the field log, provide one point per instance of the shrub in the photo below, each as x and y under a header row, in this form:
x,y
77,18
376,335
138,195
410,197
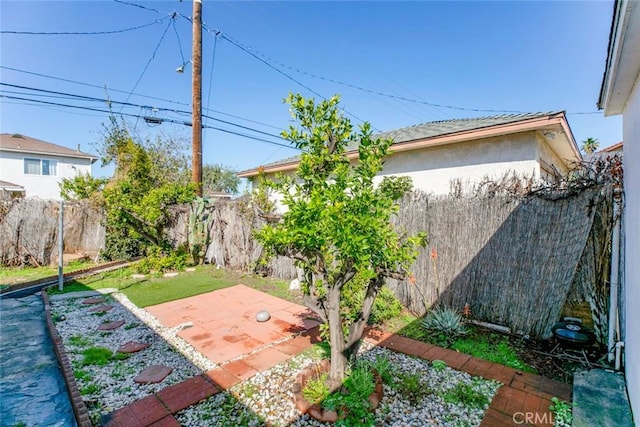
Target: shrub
x,y
96,356
385,307
316,389
158,260
562,412
438,365
467,395
445,320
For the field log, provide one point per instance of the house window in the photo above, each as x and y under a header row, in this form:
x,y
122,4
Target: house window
x,y
40,167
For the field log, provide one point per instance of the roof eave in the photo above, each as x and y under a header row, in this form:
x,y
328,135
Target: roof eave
x,y
452,138
45,153
622,65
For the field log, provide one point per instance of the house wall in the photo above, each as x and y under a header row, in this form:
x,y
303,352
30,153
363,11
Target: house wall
x,y
433,168
631,138
41,186
548,158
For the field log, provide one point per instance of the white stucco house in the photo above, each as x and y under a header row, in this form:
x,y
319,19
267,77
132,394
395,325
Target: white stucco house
x,y
620,94
435,153
38,166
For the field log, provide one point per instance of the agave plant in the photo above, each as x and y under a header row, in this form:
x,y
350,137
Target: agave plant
x,y
446,320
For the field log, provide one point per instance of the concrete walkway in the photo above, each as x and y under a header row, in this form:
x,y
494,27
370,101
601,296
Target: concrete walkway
x,y
32,389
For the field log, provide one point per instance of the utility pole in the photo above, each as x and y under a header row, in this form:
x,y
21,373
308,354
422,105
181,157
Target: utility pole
x,y
196,155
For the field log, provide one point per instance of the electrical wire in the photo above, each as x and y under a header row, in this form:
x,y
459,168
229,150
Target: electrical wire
x,y
293,79
81,33
158,119
137,5
213,63
89,85
270,61
109,102
173,22
136,94
153,55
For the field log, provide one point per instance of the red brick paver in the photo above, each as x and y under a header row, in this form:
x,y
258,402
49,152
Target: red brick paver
x,y
169,421
523,399
182,395
141,413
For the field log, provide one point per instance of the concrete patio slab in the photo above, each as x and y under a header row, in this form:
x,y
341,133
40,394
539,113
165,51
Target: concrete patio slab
x,y
224,321
600,399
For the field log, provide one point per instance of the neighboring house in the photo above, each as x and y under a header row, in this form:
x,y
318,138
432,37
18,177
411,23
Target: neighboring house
x,y
9,190
39,166
620,94
433,154
610,151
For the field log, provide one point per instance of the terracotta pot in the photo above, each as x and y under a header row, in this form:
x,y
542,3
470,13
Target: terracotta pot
x,y
315,411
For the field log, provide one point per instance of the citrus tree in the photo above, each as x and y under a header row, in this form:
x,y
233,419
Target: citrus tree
x,y
337,225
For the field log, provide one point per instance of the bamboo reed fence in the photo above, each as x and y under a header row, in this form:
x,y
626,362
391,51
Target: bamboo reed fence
x,y
516,257
29,230
515,260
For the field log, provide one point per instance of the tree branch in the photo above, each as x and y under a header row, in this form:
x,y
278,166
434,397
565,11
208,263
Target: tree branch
x,y
317,306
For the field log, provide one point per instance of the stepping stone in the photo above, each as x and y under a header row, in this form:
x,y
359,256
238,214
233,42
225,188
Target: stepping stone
x,y
153,374
111,325
101,309
190,269
94,300
132,347
170,274
138,276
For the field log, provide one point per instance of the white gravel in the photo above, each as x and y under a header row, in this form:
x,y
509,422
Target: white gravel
x,y
109,387
266,399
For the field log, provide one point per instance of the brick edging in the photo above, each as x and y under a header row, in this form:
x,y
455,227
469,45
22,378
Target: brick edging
x,y
79,408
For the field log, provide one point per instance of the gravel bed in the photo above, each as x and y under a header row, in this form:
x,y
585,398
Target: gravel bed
x,y
266,398
111,386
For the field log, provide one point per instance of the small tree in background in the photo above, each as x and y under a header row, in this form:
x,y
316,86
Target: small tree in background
x,y
337,226
219,178
590,145
137,199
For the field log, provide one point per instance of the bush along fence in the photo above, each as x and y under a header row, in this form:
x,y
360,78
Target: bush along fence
x,y
29,230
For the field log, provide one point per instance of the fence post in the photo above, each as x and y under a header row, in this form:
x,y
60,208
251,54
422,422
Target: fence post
x,y
60,245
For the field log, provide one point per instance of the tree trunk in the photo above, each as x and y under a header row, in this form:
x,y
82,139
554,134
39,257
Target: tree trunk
x,y
338,356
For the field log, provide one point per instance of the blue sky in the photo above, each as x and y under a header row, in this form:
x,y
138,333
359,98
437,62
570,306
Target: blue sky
x,y
506,56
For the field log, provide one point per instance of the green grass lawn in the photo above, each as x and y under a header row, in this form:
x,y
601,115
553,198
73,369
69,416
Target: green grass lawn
x,y
155,289
14,275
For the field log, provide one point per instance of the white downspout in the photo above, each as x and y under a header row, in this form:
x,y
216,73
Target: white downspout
x,y
619,347
615,273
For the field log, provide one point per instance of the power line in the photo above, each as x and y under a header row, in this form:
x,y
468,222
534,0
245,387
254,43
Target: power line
x,y
173,22
90,85
154,119
153,55
81,33
250,52
136,94
213,63
137,5
270,61
109,102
